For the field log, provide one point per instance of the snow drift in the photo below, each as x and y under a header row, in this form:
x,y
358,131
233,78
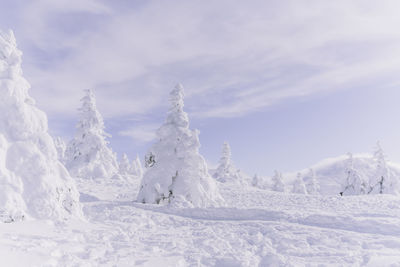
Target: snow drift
x,y
32,180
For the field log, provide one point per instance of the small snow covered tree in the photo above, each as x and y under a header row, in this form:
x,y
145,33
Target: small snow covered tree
x,y
88,154
380,181
278,184
255,181
312,185
34,183
60,147
137,169
226,172
354,185
124,165
298,185
176,172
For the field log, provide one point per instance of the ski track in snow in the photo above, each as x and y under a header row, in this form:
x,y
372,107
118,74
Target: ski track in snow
x,y
263,228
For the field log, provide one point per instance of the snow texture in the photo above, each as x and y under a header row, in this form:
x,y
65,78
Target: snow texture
x,y
33,182
88,155
176,172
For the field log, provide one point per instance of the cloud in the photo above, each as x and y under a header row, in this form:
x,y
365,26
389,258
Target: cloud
x,y
142,133
233,58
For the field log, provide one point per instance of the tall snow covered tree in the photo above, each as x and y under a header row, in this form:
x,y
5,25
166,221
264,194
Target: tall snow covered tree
x,y
226,172
298,185
278,184
88,154
176,172
33,182
311,182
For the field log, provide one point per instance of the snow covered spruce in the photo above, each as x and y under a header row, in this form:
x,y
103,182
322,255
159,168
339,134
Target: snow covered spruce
x,y
226,172
87,155
33,181
176,172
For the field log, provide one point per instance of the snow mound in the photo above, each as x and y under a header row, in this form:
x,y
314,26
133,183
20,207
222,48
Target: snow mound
x,y
176,172
88,155
33,182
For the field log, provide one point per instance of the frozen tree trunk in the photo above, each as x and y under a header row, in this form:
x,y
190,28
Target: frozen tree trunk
x,y
176,172
33,181
88,155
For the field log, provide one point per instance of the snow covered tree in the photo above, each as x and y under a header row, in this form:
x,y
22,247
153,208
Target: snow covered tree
x,y
137,169
277,180
311,182
299,186
33,182
354,184
88,154
381,181
255,181
60,147
176,172
226,172
125,166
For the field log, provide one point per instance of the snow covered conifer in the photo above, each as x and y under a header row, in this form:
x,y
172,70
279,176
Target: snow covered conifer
x,y
124,165
381,182
299,186
312,185
255,181
60,147
353,183
137,169
226,171
88,154
176,172
33,181
278,184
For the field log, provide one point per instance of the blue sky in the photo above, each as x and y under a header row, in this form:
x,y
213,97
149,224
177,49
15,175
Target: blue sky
x,y
287,83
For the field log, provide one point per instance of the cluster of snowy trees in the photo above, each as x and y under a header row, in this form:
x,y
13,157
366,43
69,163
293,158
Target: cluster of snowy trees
x,y
382,181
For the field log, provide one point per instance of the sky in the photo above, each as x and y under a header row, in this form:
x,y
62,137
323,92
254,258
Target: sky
x,y
286,82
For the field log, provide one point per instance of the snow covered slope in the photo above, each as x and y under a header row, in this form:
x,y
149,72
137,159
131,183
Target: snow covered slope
x,y
331,173
256,228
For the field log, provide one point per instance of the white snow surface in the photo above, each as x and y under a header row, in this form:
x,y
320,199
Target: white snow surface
x,y
255,228
33,182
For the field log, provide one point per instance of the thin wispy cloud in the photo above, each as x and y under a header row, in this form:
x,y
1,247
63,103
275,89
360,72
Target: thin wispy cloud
x,y
247,57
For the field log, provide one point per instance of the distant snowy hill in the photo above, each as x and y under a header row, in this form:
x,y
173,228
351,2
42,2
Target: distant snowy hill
x,y
331,173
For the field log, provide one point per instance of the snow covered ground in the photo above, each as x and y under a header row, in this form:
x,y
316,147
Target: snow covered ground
x,y
255,228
